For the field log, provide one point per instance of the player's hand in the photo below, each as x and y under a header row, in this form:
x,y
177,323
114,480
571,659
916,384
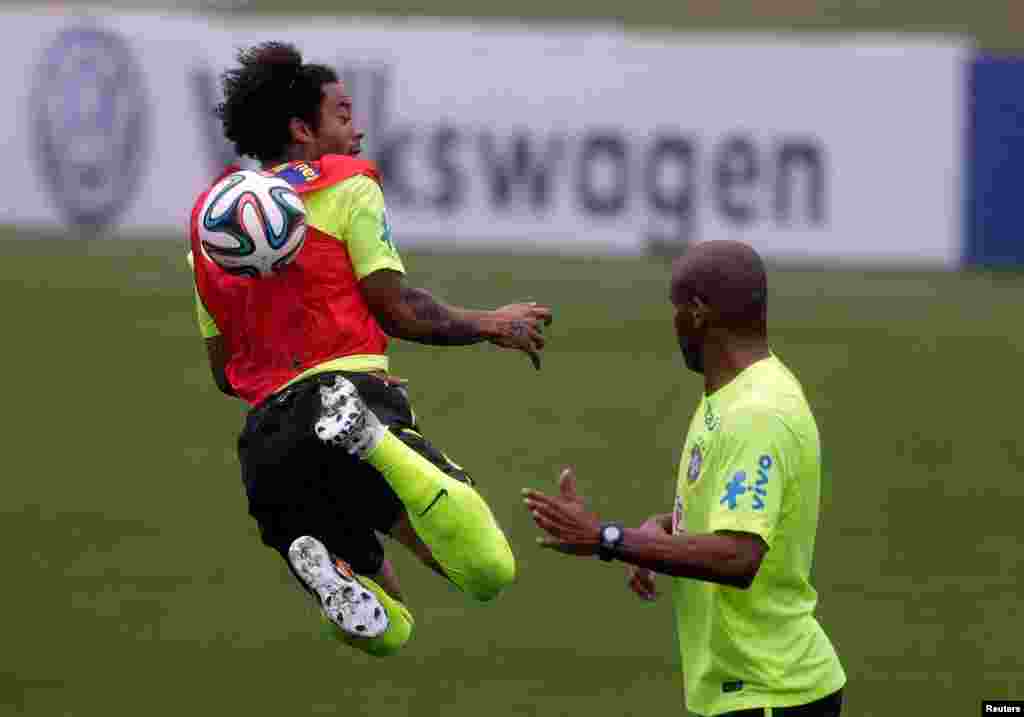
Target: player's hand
x,y
520,327
570,527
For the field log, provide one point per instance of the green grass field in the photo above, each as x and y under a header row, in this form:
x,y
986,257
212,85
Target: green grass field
x,y
994,24
135,583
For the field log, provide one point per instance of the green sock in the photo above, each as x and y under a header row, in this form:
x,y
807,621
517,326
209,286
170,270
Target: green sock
x,y
450,517
400,624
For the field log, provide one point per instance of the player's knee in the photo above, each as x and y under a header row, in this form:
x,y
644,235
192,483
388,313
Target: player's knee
x,y
491,574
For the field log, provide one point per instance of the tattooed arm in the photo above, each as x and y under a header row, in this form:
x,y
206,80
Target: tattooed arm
x,y
415,315
433,322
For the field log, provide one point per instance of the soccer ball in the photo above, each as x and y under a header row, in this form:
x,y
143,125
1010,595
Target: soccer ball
x,y
252,224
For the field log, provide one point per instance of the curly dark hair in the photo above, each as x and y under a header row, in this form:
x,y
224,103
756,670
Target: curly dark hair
x,y
270,86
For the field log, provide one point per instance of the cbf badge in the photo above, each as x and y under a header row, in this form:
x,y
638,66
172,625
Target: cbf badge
x,y
678,516
386,236
89,115
696,460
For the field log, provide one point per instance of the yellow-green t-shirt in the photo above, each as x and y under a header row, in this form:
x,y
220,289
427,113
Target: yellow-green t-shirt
x,y
353,212
752,463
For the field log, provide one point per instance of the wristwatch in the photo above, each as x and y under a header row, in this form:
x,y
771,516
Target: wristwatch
x,y
611,539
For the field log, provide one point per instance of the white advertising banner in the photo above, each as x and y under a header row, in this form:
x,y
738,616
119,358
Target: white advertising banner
x,y
518,137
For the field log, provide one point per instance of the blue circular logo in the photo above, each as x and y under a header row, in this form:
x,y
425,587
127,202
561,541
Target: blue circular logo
x,y
89,110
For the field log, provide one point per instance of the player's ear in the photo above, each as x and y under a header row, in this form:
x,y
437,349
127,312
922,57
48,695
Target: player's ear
x,y
700,311
300,131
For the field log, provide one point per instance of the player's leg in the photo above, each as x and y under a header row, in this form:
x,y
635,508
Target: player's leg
x,y
447,514
293,497
388,580
405,530
356,608
451,519
404,533
353,505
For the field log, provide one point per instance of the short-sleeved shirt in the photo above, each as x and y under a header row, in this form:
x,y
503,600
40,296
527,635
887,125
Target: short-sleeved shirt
x,y
751,463
353,212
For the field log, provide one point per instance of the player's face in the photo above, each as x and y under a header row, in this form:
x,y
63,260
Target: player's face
x,y
337,134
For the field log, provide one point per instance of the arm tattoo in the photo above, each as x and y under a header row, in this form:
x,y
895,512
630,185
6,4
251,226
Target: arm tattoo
x,y
443,328
518,329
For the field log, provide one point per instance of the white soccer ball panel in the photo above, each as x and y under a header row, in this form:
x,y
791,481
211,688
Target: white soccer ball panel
x,y
244,216
252,220
225,192
275,215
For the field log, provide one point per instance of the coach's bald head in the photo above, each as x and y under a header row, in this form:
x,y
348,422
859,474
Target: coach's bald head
x,y
719,291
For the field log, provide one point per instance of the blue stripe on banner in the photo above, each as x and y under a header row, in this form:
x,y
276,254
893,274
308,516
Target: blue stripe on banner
x,y
995,192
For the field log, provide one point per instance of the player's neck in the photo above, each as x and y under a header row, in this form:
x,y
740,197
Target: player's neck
x,y
727,358
295,153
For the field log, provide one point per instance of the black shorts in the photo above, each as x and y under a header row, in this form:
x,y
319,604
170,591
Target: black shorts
x,y
830,706
298,485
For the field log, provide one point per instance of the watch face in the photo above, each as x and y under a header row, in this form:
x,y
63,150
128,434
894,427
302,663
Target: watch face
x,y
611,534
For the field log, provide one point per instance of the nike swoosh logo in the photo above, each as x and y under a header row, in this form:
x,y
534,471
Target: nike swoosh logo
x,y
439,496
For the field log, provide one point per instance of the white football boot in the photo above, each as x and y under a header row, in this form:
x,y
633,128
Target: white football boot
x,y
345,421
343,599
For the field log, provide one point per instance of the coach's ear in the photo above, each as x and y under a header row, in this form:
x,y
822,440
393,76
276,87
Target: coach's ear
x,y
700,311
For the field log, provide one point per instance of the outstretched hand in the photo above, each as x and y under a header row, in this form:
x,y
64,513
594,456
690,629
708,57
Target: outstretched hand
x,y
520,327
570,527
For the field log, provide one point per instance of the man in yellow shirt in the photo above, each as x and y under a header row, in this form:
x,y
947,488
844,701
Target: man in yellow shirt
x,y
740,539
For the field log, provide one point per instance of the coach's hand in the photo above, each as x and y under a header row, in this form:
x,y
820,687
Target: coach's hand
x,y
571,528
641,580
520,327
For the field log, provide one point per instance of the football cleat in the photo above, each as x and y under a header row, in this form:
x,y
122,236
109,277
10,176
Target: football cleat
x,y
344,600
345,421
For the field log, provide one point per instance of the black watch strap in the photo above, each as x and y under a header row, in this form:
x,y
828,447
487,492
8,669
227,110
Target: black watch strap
x,y
611,540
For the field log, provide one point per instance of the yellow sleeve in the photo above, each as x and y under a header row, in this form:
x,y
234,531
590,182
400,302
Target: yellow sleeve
x,y
754,475
353,211
207,326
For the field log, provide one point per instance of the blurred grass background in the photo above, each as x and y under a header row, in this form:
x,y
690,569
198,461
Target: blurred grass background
x,y
996,25
135,581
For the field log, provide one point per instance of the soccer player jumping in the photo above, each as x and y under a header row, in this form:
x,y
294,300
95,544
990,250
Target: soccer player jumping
x,y
331,451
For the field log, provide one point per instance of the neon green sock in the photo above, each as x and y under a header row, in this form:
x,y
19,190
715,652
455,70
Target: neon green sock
x,y
399,630
450,517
